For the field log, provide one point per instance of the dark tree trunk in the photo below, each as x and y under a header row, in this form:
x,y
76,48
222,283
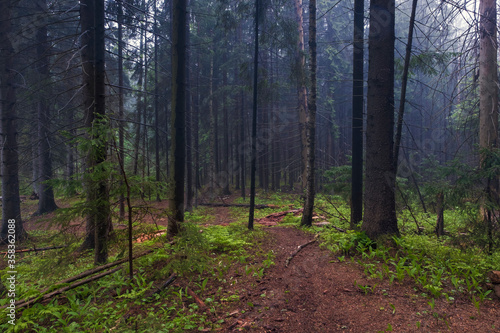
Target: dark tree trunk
x,y
98,216
176,201
253,167
380,207
46,203
488,110
225,164
11,205
440,214
357,115
189,126
121,109
213,133
242,143
311,123
301,91
157,106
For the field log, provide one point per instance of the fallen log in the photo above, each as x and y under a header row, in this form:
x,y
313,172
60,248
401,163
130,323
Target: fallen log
x,y
208,204
79,277
282,214
36,249
300,247
63,289
102,268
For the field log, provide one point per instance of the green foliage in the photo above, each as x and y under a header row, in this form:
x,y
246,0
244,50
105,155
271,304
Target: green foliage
x,y
339,181
437,269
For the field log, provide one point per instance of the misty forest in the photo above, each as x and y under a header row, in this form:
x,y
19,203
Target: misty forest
x,y
249,165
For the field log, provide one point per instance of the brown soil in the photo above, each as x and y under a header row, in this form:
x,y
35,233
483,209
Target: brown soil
x,y
317,293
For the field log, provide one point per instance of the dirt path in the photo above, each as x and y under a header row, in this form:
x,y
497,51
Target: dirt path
x,y
316,293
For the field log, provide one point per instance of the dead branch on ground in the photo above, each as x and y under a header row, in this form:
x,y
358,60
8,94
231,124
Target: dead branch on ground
x,y
63,289
300,247
36,249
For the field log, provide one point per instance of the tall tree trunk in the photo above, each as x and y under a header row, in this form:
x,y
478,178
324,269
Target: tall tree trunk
x,y
311,123
253,167
488,109
380,207
121,109
46,203
98,218
176,201
11,206
213,132
225,164
357,115
139,108
301,90
189,126
156,105
242,142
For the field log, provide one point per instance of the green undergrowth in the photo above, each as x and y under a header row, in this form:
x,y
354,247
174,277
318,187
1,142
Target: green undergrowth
x,y
211,261
434,268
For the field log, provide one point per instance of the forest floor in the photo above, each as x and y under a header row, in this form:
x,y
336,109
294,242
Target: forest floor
x,y
318,291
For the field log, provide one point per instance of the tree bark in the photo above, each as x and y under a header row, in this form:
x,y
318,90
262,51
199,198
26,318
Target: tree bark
x,y
121,109
440,214
213,132
178,155
189,126
311,123
98,216
301,90
357,115
11,205
225,164
488,109
46,202
380,207
156,105
253,167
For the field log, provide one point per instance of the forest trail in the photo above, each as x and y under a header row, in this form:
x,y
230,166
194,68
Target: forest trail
x,y
318,293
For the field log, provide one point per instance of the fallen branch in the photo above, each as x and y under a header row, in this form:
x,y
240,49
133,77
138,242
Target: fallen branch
x,y
36,250
284,213
198,300
337,228
191,293
61,290
166,284
101,268
78,277
300,247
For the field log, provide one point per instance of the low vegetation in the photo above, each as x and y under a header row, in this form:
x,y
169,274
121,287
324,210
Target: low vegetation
x,y
214,264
